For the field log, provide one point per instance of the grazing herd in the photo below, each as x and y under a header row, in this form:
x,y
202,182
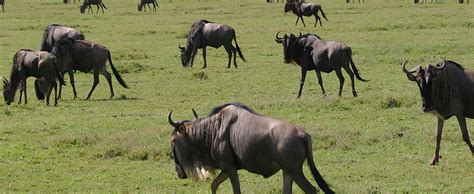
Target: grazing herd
x,y
233,136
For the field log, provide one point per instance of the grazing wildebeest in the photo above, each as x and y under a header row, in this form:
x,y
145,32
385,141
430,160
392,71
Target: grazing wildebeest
x,y
446,90
56,32
2,2
85,56
28,63
147,2
204,33
301,9
235,137
312,53
88,3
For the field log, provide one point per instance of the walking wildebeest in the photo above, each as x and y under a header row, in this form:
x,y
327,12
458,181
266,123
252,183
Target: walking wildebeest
x,y
235,137
147,2
2,2
312,53
28,63
85,56
301,9
56,32
88,3
204,33
446,90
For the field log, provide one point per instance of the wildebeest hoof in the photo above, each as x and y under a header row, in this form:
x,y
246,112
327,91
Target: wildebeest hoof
x,y
354,93
435,160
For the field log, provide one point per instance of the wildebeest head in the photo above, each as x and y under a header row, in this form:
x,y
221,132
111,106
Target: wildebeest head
x,y
139,7
182,154
186,54
289,6
8,95
424,78
288,42
82,8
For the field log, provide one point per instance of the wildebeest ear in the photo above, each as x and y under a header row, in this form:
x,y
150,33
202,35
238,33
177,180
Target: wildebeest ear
x,y
195,114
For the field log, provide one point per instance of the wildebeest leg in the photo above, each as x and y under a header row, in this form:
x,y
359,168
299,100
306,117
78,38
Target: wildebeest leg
x,y
287,183
71,79
351,75
234,52
302,20
341,79
99,8
234,179
465,133
55,86
109,80
21,94
302,182
23,86
439,131
96,81
303,77
204,56
320,81
148,6
317,18
218,180
90,9
193,54
297,19
228,48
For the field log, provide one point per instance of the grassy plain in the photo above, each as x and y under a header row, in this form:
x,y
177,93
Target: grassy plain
x,y
379,141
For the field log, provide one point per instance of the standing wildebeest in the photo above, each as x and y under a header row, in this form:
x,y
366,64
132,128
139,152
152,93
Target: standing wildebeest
x,y
446,90
234,137
348,1
147,2
88,3
2,2
56,32
301,9
27,63
312,53
204,33
85,56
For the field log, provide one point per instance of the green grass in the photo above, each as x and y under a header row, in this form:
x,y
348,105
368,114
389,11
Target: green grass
x,y
379,141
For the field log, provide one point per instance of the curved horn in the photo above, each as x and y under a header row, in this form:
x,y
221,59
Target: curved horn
x,y
180,47
195,114
276,36
5,80
441,66
405,69
172,123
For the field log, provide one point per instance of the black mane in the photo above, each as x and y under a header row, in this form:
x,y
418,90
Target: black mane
x,y
217,109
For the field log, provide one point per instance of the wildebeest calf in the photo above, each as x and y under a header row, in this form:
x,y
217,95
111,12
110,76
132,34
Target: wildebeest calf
x,y
446,90
235,137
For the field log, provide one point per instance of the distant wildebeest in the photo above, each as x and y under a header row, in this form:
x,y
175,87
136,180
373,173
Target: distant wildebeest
x,y
2,2
235,137
56,32
204,33
87,4
312,53
447,90
68,1
301,9
28,63
348,1
424,1
462,1
85,56
142,4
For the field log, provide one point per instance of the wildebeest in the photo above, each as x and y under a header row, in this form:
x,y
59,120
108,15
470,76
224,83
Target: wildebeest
x,y
2,2
301,9
68,1
425,1
56,32
348,1
88,3
312,53
85,56
147,2
447,90
235,137
462,1
28,63
204,33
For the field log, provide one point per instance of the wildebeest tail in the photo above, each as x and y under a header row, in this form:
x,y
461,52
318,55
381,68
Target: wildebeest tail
x,y
354,68
39,93
317,177
116,73
322,13
238,48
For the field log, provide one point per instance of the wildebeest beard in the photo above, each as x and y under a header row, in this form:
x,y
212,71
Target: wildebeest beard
x,y
186,54
192,150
